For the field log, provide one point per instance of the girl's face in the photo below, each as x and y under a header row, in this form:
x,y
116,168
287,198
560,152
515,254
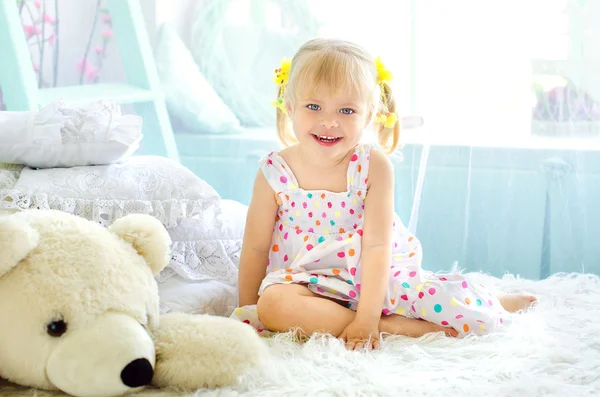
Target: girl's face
x,y
327,123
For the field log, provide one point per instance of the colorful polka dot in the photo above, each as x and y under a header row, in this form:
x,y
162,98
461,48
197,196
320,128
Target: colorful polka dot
x,y
444,323
351,252
406,285
283,179
437,308
275,248
310,195
321,239
335,271
341,254
353,271
313,280
401,311
465,284
466,327
309,247
412,274
479,302
431,291
352,294
354,157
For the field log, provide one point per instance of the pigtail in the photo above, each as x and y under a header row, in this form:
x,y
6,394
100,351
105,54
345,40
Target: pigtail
x,y
284,129
387,123
281,77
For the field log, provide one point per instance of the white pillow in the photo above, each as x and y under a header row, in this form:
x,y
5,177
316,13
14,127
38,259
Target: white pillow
x,y
208,246
59,136
150,185
193,104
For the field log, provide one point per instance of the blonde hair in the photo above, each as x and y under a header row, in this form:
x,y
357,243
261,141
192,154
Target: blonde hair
x,y
338,64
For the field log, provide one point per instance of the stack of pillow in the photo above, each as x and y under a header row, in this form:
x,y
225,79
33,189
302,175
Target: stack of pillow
x,y
80,161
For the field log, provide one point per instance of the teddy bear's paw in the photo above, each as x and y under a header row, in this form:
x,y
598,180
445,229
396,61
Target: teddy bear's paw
x,y
202,351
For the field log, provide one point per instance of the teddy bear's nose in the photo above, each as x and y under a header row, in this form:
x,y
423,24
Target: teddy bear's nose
x,y
137,373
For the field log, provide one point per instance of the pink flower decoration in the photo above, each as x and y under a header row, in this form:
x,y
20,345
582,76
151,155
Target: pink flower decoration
x,y
37,3
52,39
108,34
49,19
89,70
92,73
29,30
36,67
106,19
99,50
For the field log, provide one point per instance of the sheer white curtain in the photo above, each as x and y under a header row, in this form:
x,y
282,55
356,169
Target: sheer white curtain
x,y
509,156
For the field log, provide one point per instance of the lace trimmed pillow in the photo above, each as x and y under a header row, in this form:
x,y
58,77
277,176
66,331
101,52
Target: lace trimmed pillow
x,y
143,184
59,136
208,246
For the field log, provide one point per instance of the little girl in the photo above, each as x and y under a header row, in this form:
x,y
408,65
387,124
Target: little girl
x,y
323,249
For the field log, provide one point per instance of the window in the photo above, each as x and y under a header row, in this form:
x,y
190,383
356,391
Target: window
x,y
479,72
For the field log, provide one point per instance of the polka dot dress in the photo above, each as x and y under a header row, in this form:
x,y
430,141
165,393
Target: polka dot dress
x,y
317,242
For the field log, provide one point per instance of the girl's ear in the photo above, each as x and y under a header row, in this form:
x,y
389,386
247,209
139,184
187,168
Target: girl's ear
x,y
288,107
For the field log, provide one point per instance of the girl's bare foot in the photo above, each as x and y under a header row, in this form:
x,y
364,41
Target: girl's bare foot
x,y
399,325
515,302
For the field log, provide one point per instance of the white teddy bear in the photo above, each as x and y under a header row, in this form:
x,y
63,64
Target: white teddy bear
x,y
79,311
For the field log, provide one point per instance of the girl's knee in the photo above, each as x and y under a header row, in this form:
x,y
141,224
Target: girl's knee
x,y
273,303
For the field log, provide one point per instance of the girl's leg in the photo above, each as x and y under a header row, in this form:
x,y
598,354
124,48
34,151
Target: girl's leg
x,y
284,307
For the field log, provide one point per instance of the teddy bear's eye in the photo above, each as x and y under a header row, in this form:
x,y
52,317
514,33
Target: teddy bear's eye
x,y
56,328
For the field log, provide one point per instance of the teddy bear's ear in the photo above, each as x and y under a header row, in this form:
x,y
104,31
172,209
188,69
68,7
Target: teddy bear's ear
x,y
148,236
17,240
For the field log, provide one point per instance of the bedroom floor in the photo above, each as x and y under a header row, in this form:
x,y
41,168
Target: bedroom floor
x,y
554,350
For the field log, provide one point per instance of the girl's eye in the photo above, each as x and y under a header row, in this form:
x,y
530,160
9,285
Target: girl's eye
x,y
313,106
346,111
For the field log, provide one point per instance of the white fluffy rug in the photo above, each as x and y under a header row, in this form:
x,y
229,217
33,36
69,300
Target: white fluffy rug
x,y
554,350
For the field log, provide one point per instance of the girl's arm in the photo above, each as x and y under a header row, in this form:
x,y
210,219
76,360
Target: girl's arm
x,y
377,238
257,241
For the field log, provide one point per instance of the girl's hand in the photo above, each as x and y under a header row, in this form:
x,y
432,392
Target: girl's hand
x,y
361,334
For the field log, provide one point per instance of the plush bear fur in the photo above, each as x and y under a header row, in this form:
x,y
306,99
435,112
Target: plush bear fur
x,y
79,311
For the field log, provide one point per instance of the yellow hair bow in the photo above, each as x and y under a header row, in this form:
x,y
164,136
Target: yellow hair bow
x,y
283,72
383,74
281,76
388,120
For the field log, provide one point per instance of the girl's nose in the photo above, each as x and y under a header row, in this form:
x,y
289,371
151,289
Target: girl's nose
x,y
329,123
